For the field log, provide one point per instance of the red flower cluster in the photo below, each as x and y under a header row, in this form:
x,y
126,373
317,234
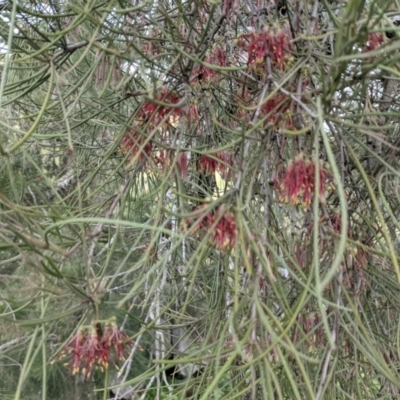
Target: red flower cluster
x,y
374,40
275,110
221,162
265,43
166,158
207,165
205,74
221,223
135,145
156,113
91,348
224,233
299,182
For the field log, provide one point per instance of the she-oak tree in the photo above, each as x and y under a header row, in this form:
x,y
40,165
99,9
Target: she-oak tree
x,y
199,199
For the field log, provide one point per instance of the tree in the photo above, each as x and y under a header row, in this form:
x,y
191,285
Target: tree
x,y
202,194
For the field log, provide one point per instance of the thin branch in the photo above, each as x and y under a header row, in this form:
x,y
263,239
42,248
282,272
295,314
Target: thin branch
x,y
75,46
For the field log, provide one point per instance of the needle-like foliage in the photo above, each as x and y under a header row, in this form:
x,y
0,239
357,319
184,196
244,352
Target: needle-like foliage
x,y
199,199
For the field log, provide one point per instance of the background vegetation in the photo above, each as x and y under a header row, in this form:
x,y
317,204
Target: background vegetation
x,y
199,199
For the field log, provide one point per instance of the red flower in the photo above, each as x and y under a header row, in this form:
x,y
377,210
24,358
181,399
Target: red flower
x,y
299,182
266,43
374,40
275,110
83,348
90,348
75,348
221,223
224,234
156,113
114,338
220,56
224,166
166,159
279,48
205,74
220,162
134,144
207,165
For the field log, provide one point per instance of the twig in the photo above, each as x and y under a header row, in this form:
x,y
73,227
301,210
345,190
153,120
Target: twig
x,y
154,314
334,337
96,232
10,343
286,92
75,46
248,141
294,98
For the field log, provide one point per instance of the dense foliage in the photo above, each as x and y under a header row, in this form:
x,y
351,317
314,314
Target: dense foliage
x,y
199,199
